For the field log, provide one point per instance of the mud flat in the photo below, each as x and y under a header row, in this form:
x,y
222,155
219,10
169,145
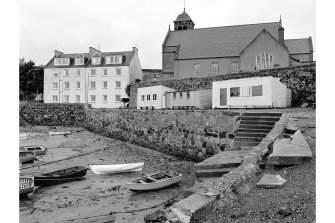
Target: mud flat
x,y
94,195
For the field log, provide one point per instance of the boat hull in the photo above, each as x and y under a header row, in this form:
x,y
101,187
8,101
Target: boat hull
x,y
60,176
38,150
26,186
59,133
117,168
26,156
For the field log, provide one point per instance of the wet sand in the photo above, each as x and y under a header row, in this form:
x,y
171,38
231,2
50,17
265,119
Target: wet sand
x,y
93,195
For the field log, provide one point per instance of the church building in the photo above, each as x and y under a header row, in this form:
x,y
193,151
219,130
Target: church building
x,y
188,52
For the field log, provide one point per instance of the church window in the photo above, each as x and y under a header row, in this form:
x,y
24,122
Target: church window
x,y
184,27
264,61
180,28
215,69
234,67
196,70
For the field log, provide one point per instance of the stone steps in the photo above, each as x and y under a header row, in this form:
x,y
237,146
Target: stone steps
x,y
242,130
239,143
260,118
247,139
250,134
258,122
256,126
257,114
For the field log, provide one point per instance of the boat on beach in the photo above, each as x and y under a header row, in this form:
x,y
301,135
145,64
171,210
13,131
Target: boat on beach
x,y
38,149
23,136
65,133
115,168
154,181
26,186
60,176
26,156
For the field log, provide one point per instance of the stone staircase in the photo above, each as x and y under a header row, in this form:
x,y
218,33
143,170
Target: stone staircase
x,y
254,127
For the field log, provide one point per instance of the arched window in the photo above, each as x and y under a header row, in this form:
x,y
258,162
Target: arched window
x,y
180,28
184,27
264,61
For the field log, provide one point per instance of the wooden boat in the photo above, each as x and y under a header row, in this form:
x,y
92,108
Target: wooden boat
x,y
26,156
65,133
116,168
60,176
26,185
23,136
154,181
39,150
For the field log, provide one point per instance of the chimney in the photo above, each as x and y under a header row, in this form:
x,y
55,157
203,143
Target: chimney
x,y
93,51
135,50
281,35
57,53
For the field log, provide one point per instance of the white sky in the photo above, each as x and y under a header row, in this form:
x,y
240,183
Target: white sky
x,y
118,25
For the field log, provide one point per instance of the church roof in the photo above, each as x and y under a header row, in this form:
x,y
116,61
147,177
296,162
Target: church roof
x,y
296,46
183,17
225,41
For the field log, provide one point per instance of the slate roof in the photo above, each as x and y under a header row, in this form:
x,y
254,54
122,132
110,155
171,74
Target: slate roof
x,y
126,59
297,46
225,41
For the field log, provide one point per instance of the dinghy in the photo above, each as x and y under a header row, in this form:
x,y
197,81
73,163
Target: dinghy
x,y
154,181
39,150
26,156
116,168
65,133
60,176
23,136
26,186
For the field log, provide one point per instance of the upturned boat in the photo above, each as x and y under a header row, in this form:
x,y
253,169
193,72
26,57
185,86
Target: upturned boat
x,y
60,176
115,168
26,156
53,133
154,181
26,186
38,149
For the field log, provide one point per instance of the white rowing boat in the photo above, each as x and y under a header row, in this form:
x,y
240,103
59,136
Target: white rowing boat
x,y
27,156
116,168
154,181
59,133
26,185
38,149
23,136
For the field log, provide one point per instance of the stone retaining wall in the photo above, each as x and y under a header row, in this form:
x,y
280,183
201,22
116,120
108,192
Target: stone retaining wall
x,y
301,79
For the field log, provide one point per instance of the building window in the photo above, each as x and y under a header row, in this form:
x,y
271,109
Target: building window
x,y
66,85
78,72
92,97
54,85
174,96
77,98
245,91
79,61
96,60
148,97
62,61
234,67
78,85
188,95
117,97
257,90
92,72
55,74
215,69
264,61
143,97
181,95
66,98
54,98
154,97
118,71
196,70
114,59
235,92
104,98
66,73
92,84
118,84
105,84
105,72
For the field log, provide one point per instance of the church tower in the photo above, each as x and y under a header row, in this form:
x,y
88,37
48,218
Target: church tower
x,y
183,22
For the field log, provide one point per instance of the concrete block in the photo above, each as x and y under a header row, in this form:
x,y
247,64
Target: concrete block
x,y
222,160
271,181
212,172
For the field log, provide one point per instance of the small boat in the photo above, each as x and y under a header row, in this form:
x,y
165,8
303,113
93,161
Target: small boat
x,y
26,156
23,136
26,186
154,181
39,150
116,168
65,133
60,176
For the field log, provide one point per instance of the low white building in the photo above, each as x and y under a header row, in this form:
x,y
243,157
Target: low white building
x,y
201,99
256,92
152,97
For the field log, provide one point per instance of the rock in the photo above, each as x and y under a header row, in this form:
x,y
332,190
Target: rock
x,y
157,216
231,135
271,181
284,211
304,105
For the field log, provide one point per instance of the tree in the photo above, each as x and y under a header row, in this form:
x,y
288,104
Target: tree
x,y
127,89
31,79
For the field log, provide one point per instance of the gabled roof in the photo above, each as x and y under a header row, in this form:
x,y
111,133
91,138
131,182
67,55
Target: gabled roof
x,y
225,41
297,46
80,55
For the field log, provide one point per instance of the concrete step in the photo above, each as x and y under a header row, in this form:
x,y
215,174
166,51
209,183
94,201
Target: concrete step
x,y
257,122
212,172
240,130
238,143
248,139
259,118
250,134
271,114
256,126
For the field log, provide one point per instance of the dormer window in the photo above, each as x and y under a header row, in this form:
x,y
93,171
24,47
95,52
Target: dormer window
x,y
61,61
96,60
79,61
117,59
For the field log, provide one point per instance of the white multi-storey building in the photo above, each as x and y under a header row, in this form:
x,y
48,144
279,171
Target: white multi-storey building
x,y
97,78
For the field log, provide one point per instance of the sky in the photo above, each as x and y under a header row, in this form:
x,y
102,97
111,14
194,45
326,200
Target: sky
x,y
72,26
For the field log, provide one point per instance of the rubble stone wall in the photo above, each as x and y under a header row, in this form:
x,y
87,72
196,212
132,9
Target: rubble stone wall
x,y
301,79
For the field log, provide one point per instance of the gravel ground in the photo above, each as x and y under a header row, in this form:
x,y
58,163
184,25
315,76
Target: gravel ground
x,y
295,202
